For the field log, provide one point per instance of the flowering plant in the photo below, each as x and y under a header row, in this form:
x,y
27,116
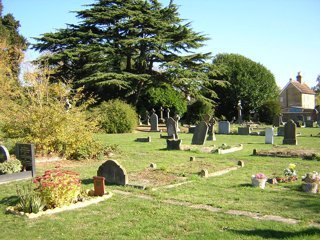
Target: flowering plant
x,y
58,187
312,177
260,176
290,170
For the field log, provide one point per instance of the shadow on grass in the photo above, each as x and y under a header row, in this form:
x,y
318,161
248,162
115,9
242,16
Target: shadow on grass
x,y
89,181
9,201
274,234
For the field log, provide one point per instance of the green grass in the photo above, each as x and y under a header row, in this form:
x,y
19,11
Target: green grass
x,y
127,217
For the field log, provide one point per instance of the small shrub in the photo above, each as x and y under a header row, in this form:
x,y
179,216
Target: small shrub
x,y
29,200
197,110
268,111
116,116
9,167
58,187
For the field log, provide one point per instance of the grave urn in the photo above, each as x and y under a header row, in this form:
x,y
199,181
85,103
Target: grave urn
x,y
258,182
310,187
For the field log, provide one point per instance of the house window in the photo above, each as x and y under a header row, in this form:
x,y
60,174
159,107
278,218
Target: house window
x,y
281,99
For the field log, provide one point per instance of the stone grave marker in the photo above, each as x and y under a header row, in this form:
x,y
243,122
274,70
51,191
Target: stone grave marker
x,y
269,135
4,154
224,127
171,128
244,130
280,131
290,133
26,154
309,123
113,173
154,121
174,144
200,134
211,135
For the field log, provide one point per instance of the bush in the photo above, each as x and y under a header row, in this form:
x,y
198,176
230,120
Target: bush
x,y
164,96
58,187
39,115
268,111
116,116
197,111
10,166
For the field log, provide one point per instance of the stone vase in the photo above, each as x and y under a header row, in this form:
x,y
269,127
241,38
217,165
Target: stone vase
x,y
310,187
261,183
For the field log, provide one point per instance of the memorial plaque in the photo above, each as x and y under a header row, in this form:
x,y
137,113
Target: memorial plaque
x,y
25,153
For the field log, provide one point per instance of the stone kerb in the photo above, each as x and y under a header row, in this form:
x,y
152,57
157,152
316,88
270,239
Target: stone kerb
x,y
4,154
113,172
200,134
230,150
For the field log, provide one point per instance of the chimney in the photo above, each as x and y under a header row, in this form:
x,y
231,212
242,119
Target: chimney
x,y
299,77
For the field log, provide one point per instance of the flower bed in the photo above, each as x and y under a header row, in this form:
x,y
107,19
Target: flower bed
x,y
80,204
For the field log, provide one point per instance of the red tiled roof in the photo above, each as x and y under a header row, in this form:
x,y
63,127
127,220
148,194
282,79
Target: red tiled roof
x,y
303,88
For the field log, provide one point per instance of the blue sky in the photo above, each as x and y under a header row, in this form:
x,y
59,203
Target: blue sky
x,y
282,35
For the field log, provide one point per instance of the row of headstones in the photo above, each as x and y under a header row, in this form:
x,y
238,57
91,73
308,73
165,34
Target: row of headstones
x,y
153,118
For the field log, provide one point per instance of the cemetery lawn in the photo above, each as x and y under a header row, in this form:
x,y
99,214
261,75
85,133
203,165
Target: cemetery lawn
x,y
221,207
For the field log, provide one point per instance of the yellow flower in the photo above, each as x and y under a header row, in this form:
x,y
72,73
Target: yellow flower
x,y
292,166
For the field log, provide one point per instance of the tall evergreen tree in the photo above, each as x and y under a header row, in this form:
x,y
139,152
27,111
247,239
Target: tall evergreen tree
x,y
14,43
121,48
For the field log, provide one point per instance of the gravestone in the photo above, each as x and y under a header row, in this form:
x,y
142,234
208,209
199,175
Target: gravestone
x,y
168,113
224,127
147,119
280,131
171,128
309,123
239,108
161,120
244,130
200,134
211,135
277,120
290,133
113,172
25,154
174,144
191,129
176,117
269,135
154,121
4,154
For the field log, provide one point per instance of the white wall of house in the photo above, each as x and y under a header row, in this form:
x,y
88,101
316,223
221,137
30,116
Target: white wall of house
x,y
308,101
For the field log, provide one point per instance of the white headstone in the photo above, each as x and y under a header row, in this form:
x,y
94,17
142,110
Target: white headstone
x,y
269,135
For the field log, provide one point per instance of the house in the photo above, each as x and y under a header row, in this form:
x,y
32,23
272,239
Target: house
x,y
297,99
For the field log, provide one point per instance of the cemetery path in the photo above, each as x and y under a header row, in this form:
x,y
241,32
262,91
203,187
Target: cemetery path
x,y
209,208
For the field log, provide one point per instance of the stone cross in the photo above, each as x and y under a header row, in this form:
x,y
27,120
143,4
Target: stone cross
x,y
239,107
161,115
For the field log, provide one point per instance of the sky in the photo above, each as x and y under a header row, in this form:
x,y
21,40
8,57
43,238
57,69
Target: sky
x,y
282,35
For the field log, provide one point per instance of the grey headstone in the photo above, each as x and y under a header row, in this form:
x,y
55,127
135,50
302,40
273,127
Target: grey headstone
x,y
154,122
224,127
4,154
113,172
171,128
309,123
280,131
191,129
200,133
269,135
244,130
204,173
290,133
